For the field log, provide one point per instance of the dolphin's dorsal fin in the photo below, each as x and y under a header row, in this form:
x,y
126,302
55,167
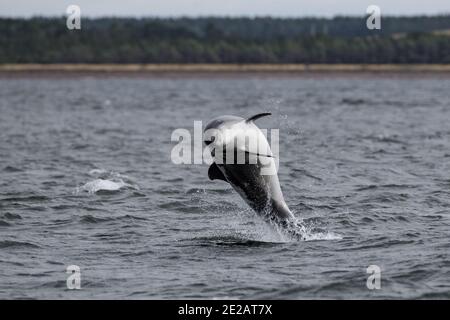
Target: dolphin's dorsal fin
x,y
257,116
214,173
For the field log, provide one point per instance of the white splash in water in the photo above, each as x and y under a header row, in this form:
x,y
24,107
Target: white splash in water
x,y
106,181
103,185
310,233
327,235
264,232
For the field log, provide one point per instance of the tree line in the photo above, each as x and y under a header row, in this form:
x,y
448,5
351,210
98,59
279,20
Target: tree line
x,y
226,40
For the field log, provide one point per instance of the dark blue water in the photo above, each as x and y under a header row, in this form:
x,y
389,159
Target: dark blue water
x,y
86,178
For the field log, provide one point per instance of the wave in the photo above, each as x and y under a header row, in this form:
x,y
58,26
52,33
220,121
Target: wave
x,y
11,216
16,244
4,223
232,240
92,219
95,219
26,199
12,169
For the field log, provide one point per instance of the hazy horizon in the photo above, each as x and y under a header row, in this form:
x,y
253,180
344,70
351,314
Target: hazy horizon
x,y
222,16
214,8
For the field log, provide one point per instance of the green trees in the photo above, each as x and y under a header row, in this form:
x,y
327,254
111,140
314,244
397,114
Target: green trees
x,y
226,40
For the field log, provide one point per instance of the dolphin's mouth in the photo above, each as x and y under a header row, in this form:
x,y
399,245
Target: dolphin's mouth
x,y
208,142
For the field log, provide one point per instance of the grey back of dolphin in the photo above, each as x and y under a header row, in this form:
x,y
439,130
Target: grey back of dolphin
x,y
261,192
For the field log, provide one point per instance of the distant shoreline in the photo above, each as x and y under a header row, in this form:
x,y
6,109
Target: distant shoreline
x,y
220,68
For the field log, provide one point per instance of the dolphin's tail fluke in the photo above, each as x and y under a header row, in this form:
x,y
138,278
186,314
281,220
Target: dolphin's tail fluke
x,y
257,116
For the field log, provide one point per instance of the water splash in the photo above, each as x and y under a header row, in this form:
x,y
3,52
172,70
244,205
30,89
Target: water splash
x,y
256,229
103,185
310,232
107,181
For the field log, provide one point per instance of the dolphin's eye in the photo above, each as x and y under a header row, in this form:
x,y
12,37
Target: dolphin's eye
x,y
208,142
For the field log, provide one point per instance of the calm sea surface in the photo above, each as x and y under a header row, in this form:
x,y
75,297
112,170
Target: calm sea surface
x,y
86,179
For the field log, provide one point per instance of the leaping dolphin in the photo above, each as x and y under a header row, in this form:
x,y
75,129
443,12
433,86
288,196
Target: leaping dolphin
x,y
261,191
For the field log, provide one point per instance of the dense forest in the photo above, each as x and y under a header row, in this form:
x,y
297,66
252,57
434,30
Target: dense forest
x,y
226,40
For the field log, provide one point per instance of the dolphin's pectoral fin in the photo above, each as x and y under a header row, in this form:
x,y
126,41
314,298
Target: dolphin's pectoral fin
x,y
214,173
